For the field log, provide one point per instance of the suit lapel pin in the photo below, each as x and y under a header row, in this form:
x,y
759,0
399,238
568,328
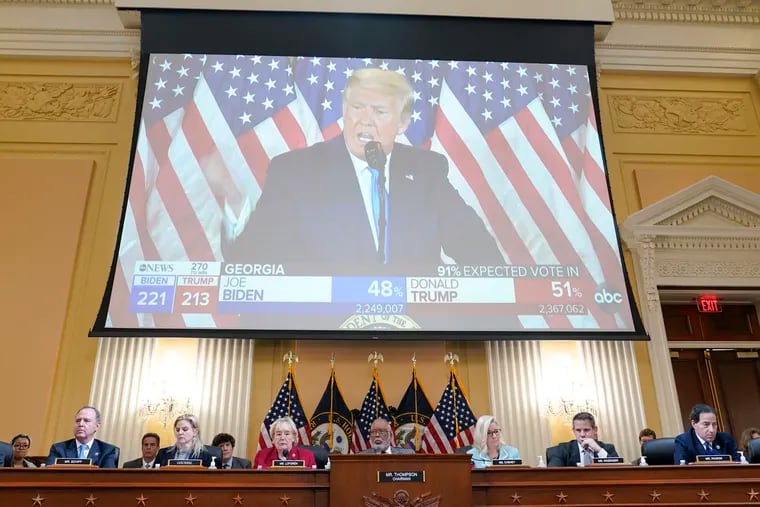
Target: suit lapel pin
x,y
410,177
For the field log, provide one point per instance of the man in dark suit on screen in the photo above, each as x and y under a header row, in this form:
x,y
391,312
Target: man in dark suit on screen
x,y
84,444
584,448
703,438
323,205
226,443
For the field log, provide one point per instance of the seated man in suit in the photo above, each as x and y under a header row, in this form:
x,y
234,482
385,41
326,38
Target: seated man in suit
x,y
226,443
645,435
84,444
584,448
380,434
151,442
703,438
6,455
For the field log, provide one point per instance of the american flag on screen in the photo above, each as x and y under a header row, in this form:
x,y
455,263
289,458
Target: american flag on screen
x,y
452,423
373,407
287,403
521,141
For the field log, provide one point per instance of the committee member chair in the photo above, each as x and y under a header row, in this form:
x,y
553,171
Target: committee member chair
x,y
321,455
659,451
753,446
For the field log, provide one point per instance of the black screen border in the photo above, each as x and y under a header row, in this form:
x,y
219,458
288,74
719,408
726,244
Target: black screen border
x,y
371,36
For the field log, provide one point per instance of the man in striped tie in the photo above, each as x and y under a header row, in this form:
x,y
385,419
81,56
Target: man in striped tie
x,y
703,438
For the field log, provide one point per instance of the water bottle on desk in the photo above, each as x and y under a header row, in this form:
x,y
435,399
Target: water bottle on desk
x,y
541,463
643,462
212,466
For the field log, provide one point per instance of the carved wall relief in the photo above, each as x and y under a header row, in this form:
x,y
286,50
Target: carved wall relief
x,y
678,115
59,101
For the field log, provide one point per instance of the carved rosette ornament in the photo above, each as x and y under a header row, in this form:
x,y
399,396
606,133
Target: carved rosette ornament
x,y
59,101
401,498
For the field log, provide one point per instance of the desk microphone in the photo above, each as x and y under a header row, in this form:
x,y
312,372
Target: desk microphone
x,y
376,158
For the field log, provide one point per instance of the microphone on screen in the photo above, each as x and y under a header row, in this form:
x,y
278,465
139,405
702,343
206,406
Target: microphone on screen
x,y
375,156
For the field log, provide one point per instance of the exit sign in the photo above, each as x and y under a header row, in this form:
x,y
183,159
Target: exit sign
x,y
708,303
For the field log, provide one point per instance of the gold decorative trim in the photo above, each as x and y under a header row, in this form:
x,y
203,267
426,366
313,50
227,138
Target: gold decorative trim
x,y
689,11
678,115
59,101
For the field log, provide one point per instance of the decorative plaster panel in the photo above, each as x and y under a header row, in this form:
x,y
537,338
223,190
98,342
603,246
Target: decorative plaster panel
x,y
680,268
59,101
678,115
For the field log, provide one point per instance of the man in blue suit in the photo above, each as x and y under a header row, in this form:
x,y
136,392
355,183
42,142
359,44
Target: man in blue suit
x,y
319,213
703,438
6,455
84,444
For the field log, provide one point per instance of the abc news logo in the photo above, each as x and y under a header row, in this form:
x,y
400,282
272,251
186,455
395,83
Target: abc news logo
x,y
608,298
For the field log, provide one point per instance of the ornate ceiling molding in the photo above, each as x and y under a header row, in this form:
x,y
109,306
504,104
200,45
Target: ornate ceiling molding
x,y
690,36
689,11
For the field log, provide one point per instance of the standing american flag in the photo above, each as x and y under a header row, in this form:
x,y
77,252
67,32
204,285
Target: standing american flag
x,y
521,140
373,407
287,403
452,423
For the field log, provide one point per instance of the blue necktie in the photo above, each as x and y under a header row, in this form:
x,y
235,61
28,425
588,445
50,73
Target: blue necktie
x,y
708,448
82,451
376,208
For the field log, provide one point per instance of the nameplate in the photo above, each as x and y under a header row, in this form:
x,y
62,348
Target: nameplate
x,y
74,461
288,463
500,462
711,458
609,460
414,476
185,463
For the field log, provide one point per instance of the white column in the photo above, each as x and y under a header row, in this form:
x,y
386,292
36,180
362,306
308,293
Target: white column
x,y
515,376
611,367
225,369
122,367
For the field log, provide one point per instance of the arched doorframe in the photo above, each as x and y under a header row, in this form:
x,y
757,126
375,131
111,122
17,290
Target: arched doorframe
x,y
707,235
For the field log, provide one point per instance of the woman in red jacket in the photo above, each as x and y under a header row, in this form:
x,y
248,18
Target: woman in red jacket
x,y
284,434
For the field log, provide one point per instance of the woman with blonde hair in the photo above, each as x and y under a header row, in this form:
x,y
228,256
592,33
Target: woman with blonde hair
x,y
188,444
488,445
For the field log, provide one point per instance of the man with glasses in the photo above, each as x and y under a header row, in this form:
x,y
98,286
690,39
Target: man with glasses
x,y
380,434
584,448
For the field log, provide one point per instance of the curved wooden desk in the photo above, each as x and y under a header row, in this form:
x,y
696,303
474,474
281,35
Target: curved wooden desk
x,y
355,477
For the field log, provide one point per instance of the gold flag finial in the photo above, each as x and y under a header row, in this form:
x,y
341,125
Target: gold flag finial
x,y
451,358
414,360
332,360
375,356
290,358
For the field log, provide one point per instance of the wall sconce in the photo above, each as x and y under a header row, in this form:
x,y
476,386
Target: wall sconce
x,y
166,409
